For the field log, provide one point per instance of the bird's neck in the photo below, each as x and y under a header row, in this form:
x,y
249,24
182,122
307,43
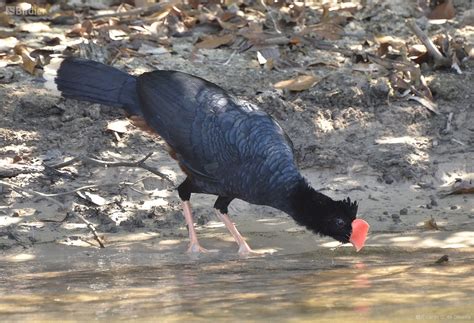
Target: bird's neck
x,y
307,206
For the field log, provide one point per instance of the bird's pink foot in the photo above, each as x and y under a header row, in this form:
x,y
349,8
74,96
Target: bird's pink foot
x,y
195,248
245,250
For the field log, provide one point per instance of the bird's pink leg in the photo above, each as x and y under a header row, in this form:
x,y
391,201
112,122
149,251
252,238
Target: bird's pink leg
x,y
194,246
244,248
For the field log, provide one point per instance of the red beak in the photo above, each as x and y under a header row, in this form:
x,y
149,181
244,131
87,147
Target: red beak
x,y
360,228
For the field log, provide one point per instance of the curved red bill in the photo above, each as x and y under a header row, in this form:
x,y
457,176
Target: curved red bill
x,y
360,228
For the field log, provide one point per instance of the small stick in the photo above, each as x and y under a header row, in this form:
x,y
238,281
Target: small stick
x,y
61,205
280,40
448,123
270,13
430,46
66,163
146,11
230,58
31,192
86,187
458,141
91,227
139,163
12,170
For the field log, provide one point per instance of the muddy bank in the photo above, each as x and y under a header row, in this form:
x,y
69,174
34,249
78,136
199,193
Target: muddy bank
x,y
352,138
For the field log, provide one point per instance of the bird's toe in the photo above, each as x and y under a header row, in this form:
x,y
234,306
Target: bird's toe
x,y
195,248
245,250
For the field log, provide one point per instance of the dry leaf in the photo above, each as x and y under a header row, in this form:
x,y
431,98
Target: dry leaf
x,y
34,27
442,260
385,42
324,31
215,41
6,34
461,186
232,24
430,105
295,40
8,43
396,42
416,50
162,14
325,14
299,83
143,3
119,126
268,54
365,68
79,30
48,41
261,59
117,34
152,50
9,60
6,20
41,52
269,62
91,197
66,18
431,224
444,10
29,63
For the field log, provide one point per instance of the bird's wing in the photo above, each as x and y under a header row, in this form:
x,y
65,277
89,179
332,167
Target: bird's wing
x,y
183,110
212,133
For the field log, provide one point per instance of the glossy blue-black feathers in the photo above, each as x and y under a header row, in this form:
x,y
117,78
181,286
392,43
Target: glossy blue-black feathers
x,y
230,147
86,80
226,146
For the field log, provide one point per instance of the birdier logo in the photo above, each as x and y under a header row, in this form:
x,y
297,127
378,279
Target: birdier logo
x,y
22,9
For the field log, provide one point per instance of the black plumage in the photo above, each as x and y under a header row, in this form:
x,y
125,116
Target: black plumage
x,y
228,147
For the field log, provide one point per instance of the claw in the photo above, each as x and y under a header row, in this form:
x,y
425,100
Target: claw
x,y
245,250
195,248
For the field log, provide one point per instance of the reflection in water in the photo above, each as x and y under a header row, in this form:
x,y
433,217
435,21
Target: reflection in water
x,y
322,285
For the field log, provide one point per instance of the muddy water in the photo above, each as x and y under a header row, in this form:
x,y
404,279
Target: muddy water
x,y
136,282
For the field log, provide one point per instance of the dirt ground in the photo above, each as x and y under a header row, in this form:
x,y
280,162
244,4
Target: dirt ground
x,y
351,136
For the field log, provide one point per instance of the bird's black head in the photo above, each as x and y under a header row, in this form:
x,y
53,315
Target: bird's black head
x,y
321,214
337,220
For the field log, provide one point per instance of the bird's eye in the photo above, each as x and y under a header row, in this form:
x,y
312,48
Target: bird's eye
x,y
340,223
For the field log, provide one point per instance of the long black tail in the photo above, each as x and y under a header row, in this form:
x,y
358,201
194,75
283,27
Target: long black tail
x,y
95,82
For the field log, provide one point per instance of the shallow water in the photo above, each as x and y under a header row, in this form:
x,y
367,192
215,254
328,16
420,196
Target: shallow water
x,y
130,283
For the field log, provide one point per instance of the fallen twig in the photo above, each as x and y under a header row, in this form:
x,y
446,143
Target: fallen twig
x,y
447,129
270,13
12,170
279,40
439,58
61,205
31,192
460,186
91,228
458,141
393,64
230,58
139,163
86,187
427,103
145,11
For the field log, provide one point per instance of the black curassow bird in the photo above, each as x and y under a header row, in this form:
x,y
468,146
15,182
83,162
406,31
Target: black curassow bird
x,y
227,147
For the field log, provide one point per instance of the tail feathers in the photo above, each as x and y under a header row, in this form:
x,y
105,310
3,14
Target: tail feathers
x,y
92,81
